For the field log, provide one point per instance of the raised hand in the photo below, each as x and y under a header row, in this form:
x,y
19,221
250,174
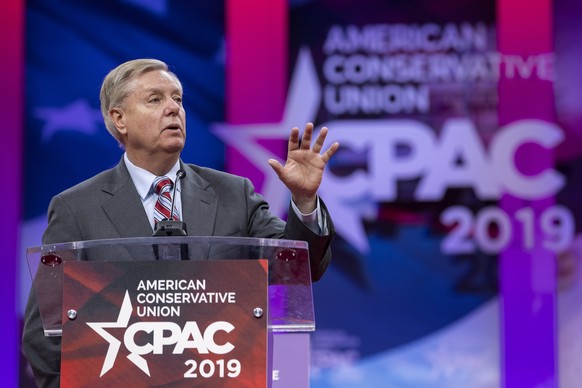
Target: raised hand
x,y
303,170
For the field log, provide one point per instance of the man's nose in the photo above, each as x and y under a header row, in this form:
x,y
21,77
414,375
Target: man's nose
x,y
173,107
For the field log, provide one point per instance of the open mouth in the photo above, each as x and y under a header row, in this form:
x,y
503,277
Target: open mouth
x,y
173,127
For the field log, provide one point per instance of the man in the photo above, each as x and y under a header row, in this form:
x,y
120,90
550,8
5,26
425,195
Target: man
x,y
141,103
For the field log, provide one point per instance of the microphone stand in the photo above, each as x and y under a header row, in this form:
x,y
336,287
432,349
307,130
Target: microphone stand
x,y
170,227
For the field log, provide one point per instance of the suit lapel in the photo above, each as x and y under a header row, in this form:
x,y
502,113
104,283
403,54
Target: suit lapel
x,y
125,209
199,204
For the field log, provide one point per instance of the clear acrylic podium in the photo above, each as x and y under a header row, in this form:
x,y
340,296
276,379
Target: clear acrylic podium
x,y
287,311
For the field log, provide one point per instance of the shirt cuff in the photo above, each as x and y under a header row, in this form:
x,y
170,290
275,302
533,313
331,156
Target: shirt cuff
x,y
313,220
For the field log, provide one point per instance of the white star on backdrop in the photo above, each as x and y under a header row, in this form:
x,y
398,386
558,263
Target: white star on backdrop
x,y
77,116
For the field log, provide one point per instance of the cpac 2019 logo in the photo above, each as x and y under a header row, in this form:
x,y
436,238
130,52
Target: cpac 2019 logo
x,y
397,150
165,334
490,172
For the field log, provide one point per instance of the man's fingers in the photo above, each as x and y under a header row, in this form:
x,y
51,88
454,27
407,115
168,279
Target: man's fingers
x,y
306,142
306,138
276,166
329,153
293,139
320,140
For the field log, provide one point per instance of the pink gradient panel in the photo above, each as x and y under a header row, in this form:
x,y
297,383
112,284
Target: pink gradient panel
x,y
256,60
256,71
524,26
527,278
11,111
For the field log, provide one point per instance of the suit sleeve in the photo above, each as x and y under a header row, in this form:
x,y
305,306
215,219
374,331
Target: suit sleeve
x,y
264,224
319,246
44,353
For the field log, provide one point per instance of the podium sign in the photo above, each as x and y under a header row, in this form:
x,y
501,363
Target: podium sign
x,y
140,309
165,323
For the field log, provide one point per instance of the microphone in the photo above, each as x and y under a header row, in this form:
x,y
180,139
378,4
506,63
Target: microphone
x,y
180,174
171,227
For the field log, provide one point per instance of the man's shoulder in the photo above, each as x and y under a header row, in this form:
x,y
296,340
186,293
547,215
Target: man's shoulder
x,y
103,180
214,177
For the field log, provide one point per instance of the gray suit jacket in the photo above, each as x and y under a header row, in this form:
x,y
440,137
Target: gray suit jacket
x,y
214,203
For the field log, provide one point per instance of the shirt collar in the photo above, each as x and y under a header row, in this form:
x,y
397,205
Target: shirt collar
x,y
143,179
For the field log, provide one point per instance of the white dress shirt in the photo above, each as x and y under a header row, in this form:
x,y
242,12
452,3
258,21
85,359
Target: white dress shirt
x,y
143,181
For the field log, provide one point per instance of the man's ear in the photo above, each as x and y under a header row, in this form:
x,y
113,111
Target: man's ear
x,y
118,117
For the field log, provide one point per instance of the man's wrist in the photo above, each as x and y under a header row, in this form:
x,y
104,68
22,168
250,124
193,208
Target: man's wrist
x,y
307,205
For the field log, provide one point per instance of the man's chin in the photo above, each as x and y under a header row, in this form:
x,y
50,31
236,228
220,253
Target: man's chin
x,y
174,146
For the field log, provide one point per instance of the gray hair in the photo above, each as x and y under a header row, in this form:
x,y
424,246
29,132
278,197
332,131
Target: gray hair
x,y
115,87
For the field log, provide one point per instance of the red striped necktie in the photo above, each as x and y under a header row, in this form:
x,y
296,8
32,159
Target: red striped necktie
x,y
163,187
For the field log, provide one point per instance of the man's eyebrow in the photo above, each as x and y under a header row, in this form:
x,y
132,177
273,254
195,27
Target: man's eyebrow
x,y
151,90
